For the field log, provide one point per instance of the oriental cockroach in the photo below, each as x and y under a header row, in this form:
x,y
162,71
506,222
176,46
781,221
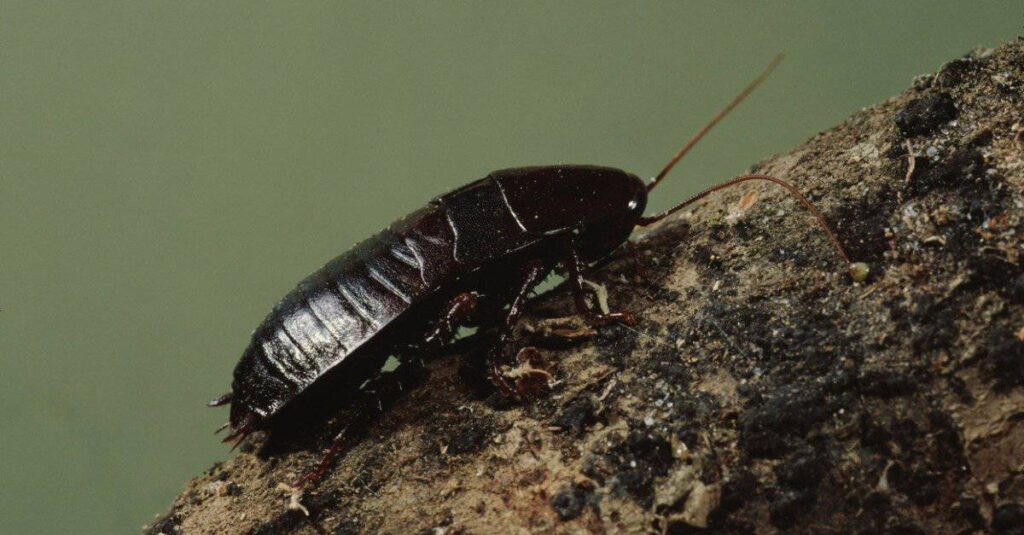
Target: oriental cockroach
x,y
470,257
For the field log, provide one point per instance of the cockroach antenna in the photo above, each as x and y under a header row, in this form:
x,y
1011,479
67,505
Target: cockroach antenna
x,y
822,222
715,120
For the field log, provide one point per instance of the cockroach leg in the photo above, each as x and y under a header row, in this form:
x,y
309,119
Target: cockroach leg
x,y
575,268
460,308
314,475
366,407
508,382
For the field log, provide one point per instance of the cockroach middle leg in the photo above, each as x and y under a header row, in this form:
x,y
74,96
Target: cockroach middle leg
x,y
459,309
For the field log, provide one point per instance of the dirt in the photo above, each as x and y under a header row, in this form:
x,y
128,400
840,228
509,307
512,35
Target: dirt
x,y
763,391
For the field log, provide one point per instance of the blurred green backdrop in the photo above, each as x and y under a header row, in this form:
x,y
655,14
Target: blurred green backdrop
x,y
169,169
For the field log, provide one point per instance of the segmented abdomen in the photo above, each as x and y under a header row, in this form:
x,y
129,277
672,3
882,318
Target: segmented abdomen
x,y
340,307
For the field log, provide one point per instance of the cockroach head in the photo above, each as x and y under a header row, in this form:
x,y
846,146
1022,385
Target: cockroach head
x,y
608,228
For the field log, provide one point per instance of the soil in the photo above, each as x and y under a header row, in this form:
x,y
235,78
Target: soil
x,y
763,390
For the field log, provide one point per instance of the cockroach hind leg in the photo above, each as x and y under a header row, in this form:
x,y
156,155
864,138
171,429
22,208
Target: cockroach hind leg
x,y
313,475
366,409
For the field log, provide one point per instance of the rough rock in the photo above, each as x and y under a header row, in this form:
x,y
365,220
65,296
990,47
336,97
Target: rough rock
x,y
763,391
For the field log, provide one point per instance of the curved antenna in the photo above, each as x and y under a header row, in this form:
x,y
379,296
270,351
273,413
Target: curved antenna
x,y
714,120
644,221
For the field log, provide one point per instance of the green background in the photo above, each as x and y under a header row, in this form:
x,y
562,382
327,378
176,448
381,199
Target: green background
x,y
168,169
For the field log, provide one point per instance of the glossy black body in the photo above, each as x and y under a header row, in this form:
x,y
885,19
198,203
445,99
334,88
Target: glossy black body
x,y
382,296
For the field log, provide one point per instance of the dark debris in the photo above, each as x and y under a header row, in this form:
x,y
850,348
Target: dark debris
x,y
924,115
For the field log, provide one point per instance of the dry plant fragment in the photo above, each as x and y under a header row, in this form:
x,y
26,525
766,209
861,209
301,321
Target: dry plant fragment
x,y
294,498
911,161
748,200
859,271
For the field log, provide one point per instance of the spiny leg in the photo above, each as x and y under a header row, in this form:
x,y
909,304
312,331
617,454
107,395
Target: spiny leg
x,y
533,273
456,313
314,475
575,267
365,408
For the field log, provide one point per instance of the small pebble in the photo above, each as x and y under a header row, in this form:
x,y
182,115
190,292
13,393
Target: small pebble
x,y
859,271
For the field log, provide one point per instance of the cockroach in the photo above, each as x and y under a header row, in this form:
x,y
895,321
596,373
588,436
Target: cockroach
x,y
469,257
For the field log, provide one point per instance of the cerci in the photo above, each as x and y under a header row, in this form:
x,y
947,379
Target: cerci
x,y
470,256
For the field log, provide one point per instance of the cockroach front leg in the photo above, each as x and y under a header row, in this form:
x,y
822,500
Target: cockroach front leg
x,y
525,376
575,269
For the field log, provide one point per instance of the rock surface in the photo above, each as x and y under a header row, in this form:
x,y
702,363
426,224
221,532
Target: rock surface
x,y
762,391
